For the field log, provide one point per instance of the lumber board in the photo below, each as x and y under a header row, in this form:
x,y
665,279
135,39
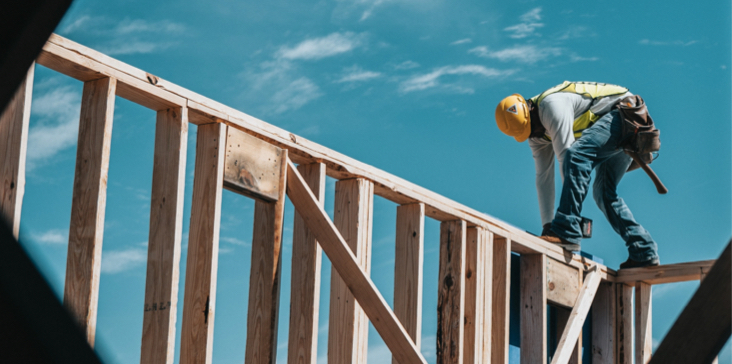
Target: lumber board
x,y
643,327
13,146
408,265
479,248
533,309
501,305
603,325
164,242
199,301
624,323
716,359
264,278
305,284
348,325
562,317
563,283
669,273
252,166
83,63
84,258
451,292
568,343
563,314
705,324
345,263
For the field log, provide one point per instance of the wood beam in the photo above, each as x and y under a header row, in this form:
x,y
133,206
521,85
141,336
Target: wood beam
x,y
199,301
561,282
451,293
669,273
624,323
13,146
305,284
83,262
533,309
705,324
345,263
264,278
568,342
603,325
409,261
166,229
478,293
501,307
643,327
348,325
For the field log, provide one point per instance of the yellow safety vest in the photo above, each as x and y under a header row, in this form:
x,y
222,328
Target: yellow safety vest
x,y
594,90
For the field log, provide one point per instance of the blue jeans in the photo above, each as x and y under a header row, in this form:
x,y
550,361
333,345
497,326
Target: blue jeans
x,y
597,149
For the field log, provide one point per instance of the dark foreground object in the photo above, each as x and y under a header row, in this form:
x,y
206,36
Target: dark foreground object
x,y
705,325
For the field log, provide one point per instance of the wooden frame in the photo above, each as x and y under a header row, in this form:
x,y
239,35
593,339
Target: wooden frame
x,y
478,296
501,282
84,259
533,309
451,293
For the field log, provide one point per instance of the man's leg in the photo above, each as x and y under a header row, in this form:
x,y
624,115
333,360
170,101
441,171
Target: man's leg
x,y
640,245
595,145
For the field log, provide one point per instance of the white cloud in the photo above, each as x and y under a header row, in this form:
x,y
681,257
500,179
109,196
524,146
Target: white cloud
x,y
58,126
357,74
576,58
317,48
52,237
529,23
118,261
432,79
670,43
133,47
279,83
234,241
462,41
295,95
128,26
522,54
406,65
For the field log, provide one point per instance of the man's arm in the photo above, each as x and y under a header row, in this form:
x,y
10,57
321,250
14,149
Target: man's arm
x,y
544,163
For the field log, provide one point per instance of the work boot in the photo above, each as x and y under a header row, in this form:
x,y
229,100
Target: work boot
x,y
553,238
630,263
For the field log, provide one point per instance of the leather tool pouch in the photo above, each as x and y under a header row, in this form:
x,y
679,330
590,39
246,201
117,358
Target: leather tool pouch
x,y
639,132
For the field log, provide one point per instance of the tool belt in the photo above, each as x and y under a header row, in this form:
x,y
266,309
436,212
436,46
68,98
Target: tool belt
x,y
639,132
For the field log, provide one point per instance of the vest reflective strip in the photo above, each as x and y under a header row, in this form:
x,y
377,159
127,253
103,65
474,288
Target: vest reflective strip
x,y
594,90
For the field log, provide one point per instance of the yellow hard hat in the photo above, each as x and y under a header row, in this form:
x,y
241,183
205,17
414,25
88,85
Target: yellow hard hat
x,y
512,117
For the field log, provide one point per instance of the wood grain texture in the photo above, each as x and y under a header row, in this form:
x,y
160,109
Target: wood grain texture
x,y
533,309
501,282
567,347
563,283
264,278
478,293
164,242
624,323
305,284
563,315
345,263
705,324
83,63
669,273
643,327
199,301
348,325
83,262
451,293
13,146
408,265
603,325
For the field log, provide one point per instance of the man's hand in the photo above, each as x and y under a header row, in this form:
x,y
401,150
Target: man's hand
x,y
546,228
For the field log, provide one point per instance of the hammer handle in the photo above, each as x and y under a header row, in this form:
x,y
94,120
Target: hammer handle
x,y
656,181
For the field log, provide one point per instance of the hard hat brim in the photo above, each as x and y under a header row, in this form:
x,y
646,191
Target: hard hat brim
x,y
524,134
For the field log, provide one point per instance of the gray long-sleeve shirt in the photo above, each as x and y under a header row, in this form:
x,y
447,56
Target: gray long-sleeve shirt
x,y
557,113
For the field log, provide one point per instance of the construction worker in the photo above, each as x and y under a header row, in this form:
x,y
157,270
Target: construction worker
x,y
576,122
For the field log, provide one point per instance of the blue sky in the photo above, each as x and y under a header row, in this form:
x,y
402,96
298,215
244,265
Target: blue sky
x,y
404,85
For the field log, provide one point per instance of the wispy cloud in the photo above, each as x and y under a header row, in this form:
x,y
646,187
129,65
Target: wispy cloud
x,y
58,124
667,43
234,241
432,79
118,261
576,58
357,74
462,41
522,54
280,83
406,65
128,36
51,237
317,48
530,21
